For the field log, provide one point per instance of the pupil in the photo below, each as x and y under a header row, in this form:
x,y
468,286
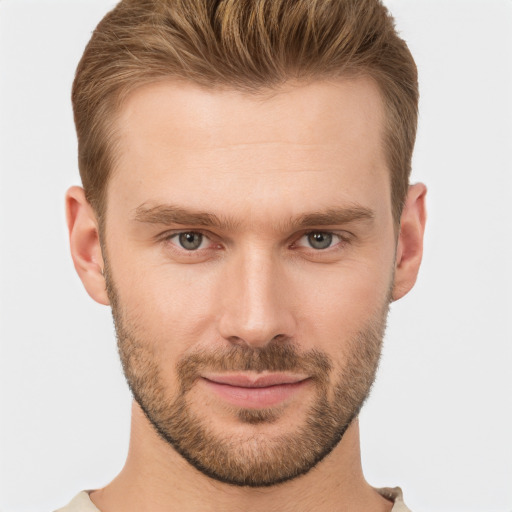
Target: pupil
x,y
320,240
191,241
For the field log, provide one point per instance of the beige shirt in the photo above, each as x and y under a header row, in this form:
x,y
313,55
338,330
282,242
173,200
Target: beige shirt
x,y
82,502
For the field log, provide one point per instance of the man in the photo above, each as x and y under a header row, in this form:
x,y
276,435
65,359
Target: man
x,y
247,214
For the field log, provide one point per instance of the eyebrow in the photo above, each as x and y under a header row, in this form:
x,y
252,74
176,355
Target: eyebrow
x,y
172,215
334,216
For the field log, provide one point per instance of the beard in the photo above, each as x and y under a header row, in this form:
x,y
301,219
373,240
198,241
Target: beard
x,y
253,458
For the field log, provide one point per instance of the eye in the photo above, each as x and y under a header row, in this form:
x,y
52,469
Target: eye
x,y
319,240
189,240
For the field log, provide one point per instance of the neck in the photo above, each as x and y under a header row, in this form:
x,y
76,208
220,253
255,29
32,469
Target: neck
x,y
155,477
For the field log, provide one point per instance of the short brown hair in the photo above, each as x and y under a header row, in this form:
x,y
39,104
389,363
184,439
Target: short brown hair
x,y
250,45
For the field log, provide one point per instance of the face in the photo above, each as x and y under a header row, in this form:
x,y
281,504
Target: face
x,y
249,249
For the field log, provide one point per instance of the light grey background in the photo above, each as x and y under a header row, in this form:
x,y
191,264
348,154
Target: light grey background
x,y
439,422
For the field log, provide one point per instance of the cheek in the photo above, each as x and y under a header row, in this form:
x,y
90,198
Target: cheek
x,y
169,305
175,308
337,306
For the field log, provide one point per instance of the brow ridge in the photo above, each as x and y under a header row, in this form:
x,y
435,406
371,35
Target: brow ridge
x,y
171,214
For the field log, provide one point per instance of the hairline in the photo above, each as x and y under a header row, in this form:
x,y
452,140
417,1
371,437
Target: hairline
x,y
111,130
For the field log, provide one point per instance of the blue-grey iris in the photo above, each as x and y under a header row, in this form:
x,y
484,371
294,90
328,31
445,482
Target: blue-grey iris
x,y
320,240
191,240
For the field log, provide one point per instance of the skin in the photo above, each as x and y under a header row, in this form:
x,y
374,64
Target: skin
x,y
260,162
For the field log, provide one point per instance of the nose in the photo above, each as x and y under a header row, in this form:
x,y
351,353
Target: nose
x,y
256,301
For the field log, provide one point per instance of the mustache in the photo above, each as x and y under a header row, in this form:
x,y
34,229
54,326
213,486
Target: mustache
x,y
275,357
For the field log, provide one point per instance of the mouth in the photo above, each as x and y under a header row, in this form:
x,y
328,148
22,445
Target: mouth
x,y
255,391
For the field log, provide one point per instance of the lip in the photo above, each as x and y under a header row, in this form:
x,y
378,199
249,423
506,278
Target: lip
x,y
255,391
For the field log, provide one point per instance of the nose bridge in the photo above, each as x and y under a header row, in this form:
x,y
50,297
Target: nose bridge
x,y
253,298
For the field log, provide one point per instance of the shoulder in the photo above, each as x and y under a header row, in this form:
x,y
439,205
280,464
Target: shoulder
x,y
80,503
395,495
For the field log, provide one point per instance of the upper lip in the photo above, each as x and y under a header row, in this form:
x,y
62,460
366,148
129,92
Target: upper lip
x,y
248,380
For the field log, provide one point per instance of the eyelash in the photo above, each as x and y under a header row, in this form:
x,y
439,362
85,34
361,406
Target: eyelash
x,y
168,237
343,239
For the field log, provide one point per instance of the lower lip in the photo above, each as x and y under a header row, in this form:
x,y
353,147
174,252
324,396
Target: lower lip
x,y
256,398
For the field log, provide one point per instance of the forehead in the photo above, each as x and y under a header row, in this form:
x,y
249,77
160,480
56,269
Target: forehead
x,y
179,142
320,112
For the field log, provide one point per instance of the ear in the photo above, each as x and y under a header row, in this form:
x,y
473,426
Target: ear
x,y
410,241
85,244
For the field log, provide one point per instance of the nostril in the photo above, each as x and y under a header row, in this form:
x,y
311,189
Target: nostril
x,y
238,340
235,340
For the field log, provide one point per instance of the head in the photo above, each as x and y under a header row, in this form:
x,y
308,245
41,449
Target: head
x,y
253,46
248,217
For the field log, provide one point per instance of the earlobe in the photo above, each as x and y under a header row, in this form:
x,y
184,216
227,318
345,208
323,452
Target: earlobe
x,y
410,241
85,244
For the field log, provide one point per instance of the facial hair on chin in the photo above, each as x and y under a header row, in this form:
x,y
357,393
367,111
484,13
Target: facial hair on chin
x,y
256,460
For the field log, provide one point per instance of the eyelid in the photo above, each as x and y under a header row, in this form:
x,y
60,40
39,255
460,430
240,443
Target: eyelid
x,y
168,238
344,237
171,233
